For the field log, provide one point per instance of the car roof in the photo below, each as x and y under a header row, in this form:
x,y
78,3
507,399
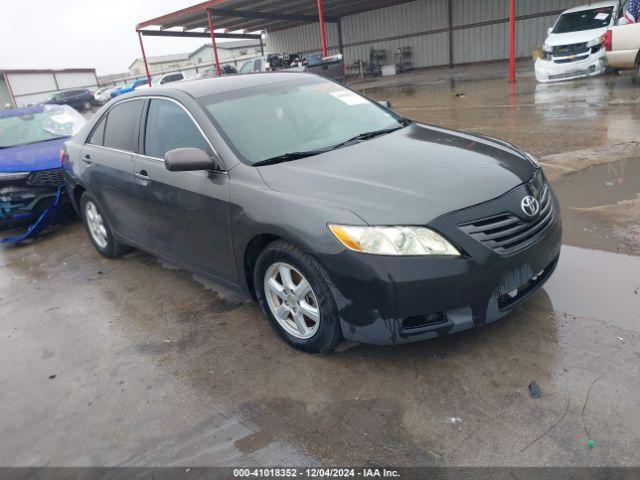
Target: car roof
x,y
591,6
197,88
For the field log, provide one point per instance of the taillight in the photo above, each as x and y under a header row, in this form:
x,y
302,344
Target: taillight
x,y
608,40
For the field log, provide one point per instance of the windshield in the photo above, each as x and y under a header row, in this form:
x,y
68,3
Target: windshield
x,y
584,20
50,123
286,117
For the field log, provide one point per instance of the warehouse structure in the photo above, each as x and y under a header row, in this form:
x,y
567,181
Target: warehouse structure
x,y
428,32
238,50
20,88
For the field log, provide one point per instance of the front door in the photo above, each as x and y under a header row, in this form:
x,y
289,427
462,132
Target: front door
x,y
189,210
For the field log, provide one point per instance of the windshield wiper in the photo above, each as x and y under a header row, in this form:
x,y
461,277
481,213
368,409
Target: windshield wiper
x,y
369,135
287,157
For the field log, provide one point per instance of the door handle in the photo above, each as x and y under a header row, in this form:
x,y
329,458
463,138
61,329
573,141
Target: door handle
x,y
86,158
143,176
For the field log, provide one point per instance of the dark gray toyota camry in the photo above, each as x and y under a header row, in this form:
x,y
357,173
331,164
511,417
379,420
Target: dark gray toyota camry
x,y
341,218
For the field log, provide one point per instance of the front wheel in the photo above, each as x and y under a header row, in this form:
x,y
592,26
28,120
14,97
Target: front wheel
x,y
294,295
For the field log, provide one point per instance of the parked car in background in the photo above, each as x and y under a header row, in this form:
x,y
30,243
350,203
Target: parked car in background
x,y
163,79
103,95
622,45
340,217
211,72
80,99
330,67
255,65
129,87
30,164
574,47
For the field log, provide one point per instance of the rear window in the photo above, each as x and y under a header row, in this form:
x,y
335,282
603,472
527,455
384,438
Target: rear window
x,y
97,137
584,20
122,125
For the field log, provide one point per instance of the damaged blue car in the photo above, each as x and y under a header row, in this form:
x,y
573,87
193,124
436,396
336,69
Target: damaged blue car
x,y
31,184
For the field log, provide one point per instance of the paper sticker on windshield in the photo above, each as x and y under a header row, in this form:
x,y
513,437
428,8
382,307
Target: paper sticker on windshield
x,y
62,118
349,97
602,16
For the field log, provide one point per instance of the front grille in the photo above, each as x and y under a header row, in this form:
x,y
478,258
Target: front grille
x,y
567,50
46,178
507,233
577,58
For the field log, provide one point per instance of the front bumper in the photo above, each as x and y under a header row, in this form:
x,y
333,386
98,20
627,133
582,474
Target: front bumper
x,y
550,71
32,203
390,300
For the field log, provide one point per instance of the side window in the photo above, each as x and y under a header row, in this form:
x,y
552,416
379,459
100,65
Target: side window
x,y
97,137
122,124
172,78
168,126
247,67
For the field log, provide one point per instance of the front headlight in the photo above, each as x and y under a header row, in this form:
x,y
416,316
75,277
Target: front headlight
x,y
547,48
595,42
393,240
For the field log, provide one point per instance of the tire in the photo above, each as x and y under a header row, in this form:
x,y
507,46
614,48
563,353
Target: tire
x,y
321,336
105,244
635,77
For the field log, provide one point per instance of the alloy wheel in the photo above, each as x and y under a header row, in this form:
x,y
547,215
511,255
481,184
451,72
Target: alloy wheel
x,y
95,223
291,300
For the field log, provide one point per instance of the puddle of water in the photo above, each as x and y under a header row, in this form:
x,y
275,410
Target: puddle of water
x,y
543,119
594,284
604,184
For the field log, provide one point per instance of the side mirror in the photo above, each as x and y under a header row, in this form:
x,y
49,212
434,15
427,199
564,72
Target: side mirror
x,y
188,159
386,104
549,30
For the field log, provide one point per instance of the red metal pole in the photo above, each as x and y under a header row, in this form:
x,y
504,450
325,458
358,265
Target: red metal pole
x,y
323,33
213,41
144,58
512,41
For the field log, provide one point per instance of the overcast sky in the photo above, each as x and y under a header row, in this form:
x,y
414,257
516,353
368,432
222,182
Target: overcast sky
x,y
83,33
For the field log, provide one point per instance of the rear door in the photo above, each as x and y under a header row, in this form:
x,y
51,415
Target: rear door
x,y
190,210
109,158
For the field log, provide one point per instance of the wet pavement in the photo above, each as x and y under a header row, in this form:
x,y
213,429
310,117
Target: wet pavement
x,y
541,118
133,362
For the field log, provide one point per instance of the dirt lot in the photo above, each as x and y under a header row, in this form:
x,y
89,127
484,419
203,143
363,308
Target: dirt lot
x,y
132,362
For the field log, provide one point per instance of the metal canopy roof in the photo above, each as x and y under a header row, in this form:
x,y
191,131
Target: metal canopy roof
x,y
245,16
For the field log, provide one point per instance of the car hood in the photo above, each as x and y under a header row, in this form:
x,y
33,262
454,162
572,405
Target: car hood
x,y
32,157
410,176
569,38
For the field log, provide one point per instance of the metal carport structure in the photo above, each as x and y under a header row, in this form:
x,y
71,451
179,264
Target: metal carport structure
x,y
248,19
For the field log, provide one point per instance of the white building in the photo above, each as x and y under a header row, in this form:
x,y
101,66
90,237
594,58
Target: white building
x,y
20,88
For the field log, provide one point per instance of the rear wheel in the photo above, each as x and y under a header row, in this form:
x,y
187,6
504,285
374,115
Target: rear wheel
x,y
294,295
98,228
635,77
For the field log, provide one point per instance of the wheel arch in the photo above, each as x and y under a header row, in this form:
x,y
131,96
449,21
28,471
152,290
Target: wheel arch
x,y
252,251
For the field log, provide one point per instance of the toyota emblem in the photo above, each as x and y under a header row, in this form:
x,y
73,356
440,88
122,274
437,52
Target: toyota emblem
x,y
530,206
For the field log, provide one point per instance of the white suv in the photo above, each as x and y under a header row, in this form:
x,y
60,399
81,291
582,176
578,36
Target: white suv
x,y
164,78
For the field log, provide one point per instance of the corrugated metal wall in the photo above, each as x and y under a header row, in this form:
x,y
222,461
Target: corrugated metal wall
x,y
423,26
5,94
30,87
